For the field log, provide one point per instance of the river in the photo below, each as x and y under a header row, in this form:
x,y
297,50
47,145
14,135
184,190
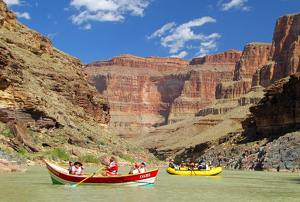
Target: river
x,y
230,185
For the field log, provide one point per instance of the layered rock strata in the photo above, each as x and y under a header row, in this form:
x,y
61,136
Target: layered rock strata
x,y
246,70
153,91
285,50
36,78
279,110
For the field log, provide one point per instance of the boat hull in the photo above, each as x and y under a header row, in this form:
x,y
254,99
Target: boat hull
x,y
213,171
60,175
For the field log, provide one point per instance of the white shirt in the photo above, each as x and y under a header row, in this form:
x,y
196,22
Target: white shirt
x,y
142,170
73,169
135,171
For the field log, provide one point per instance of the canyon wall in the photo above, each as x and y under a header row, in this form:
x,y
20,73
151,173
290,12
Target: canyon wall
x,y
245,74
145,95
149,92
279,110
40,86
284,53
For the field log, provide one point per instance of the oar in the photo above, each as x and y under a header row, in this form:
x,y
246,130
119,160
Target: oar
x,y
75,185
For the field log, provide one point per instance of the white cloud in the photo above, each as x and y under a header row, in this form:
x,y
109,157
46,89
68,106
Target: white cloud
x,y
178,37
23,15
51,36
106,10
182,54
206,47
88,26
237,4
12,2
162,30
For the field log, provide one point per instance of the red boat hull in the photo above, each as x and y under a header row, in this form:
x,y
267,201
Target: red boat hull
x,y
59,175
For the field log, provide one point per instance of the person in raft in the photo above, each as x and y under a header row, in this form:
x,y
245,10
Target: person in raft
x,y
171,164
192,166
206,166
135,168
112,169
77,169
142,168
182,164
70,166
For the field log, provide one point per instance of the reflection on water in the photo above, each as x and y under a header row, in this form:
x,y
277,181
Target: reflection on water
x,y
230,185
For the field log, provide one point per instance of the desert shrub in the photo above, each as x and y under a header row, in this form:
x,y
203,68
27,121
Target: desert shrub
x,y
60,153
89,158
7,133
128,158
101,142
22,150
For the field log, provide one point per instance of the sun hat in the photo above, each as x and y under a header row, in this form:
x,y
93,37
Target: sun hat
x,y
77,162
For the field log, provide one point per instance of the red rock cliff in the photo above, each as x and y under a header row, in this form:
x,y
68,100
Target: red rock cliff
x,y
157,63
147,87
253,57
285,50
230,56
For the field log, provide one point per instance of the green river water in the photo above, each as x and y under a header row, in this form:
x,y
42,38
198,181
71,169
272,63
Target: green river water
x,y
230,185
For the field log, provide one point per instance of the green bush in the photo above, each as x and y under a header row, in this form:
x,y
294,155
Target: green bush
x,y
7,133
22,150
128,158
101,142
89,159
60,153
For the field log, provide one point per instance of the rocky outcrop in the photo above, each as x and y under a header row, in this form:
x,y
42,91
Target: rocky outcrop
x,y
285,50
10,164
263,64
246,71
279,110
33,73
230,56
7,17
155,63
254,56
277,155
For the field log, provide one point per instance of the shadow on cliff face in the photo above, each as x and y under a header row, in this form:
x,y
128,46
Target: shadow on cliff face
x,y
251,135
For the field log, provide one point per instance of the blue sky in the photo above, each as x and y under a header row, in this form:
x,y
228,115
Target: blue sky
x,y
94,30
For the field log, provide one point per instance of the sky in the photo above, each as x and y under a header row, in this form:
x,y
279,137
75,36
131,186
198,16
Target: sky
x,y
94,30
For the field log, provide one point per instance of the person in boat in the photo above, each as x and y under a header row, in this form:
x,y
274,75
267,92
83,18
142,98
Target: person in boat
x,y
192,166
201,165
142,168
206,166
70,166
112,169
182,164
171,164
77,169
135,169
